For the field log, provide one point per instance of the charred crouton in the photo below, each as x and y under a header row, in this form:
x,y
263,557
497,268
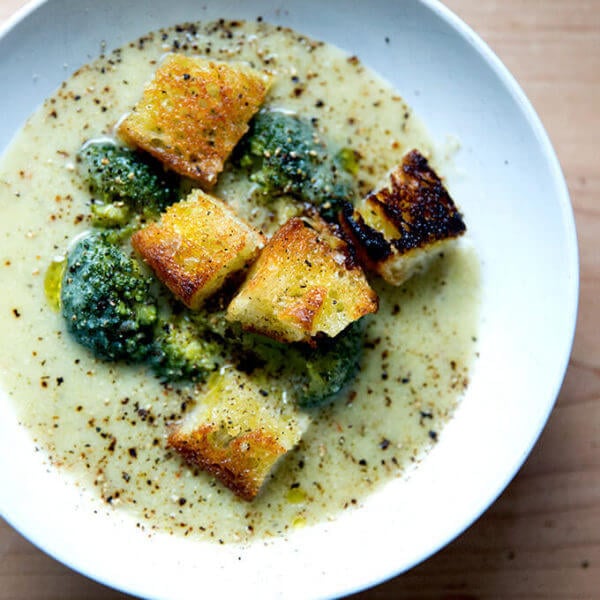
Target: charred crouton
x,y
196,245
397,229
304,283
238,431
194,112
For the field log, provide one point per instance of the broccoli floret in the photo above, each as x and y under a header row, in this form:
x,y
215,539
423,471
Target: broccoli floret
x,y
106,301
330,367
124,182
114,214
316,374
184,350
286,154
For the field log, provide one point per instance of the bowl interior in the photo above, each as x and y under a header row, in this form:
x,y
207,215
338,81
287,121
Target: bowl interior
x,y
510,187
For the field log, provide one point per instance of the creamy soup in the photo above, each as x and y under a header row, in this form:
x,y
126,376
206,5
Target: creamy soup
x,y
106,423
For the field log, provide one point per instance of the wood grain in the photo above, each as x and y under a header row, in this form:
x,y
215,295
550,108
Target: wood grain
x,y
541,539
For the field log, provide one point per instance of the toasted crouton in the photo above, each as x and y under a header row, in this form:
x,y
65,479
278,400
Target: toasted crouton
x,y
238,431
194,112
303,283
196,245
397,229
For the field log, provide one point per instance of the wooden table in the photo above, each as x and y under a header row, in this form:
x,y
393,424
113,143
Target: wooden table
x,y
541,539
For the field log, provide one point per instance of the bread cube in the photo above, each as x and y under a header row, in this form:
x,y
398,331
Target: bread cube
x,y
397,229
196,245
238,431
194,112
304,282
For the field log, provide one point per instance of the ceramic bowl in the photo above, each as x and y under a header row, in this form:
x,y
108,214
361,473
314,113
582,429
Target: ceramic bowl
x,y
512,191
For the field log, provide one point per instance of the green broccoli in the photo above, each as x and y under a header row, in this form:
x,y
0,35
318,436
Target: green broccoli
x,y
124,182
114,214
330,366
184,350
109,308
106,301
316,374
286,154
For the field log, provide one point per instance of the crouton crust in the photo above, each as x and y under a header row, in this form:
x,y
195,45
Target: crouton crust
x,y
238,431
303,283
194,112
395,229
241,465
196,245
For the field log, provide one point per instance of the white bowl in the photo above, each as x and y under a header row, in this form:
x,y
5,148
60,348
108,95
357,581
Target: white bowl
x,y
521,222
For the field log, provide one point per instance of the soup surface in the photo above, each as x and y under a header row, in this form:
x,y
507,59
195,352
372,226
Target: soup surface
x,y
106,424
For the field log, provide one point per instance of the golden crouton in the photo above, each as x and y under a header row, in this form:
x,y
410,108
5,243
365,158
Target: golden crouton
x,y
238,431
397,229
303,283
196,245
194,112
